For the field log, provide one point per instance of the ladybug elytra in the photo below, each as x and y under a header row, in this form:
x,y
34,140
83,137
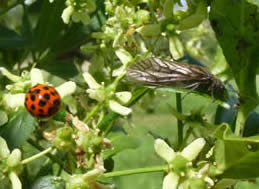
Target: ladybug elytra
x,y
42,101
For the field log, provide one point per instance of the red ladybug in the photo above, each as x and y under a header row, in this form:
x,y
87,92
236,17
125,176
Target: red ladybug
x,y
42,101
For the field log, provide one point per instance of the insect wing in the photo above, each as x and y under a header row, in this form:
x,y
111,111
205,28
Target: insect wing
x,y
157,72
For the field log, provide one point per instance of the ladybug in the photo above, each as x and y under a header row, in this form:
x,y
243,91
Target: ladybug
x,y
42,101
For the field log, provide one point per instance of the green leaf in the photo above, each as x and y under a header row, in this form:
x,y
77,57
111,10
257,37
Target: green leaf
x,y
233,156
10,39
168,8
48,182
220,67
18,129
237,33
120,143
225,183
195,18
246,185
149,30
63,68
49,25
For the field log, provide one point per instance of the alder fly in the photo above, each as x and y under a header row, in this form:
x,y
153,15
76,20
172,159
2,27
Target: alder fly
x,y
164,73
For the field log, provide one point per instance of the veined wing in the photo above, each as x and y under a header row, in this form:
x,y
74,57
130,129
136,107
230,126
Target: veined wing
x,y
154,71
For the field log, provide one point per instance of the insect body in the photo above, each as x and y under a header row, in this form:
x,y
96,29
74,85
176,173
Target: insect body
x,y
42,101
164,73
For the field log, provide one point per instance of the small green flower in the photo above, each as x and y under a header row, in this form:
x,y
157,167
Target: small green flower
x,y
84,181
78,11
102,94
180,165
64,139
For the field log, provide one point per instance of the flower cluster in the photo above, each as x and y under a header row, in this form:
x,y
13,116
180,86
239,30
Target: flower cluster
x,y
78,10
106,95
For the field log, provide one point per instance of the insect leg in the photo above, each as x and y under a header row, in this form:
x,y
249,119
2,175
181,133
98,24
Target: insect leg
x,y
192,87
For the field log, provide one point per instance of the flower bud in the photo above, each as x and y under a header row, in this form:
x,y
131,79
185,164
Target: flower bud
x,y
142,17
124,96
63,140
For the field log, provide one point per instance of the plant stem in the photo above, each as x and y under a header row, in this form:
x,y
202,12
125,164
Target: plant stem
x,y
179,122
240,122
37,156
50,156
93,112
136,171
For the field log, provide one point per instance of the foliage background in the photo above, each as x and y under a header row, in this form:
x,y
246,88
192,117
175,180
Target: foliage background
x,y
35,35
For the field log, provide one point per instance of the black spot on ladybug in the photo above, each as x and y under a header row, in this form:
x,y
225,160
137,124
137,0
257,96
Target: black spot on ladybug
x,y
32,97
53,93
36,91
45,88
26,99
42,103
32,107
41,110
56,102
46,96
